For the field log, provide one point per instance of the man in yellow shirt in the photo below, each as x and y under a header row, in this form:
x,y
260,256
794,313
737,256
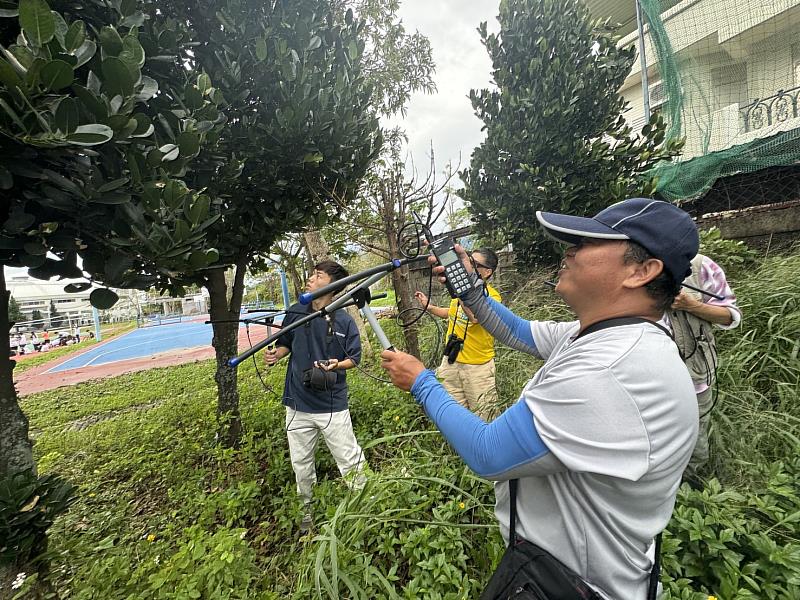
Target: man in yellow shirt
x,y
469,378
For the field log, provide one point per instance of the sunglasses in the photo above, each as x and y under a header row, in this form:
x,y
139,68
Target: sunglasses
x,y
477,265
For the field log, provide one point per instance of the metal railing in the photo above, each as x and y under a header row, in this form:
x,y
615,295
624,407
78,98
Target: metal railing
x,y
764,112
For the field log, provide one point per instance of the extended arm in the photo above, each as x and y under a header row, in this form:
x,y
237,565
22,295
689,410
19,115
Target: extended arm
x,y
504,325
508,447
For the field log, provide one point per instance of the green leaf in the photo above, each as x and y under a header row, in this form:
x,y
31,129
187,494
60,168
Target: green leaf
x,y
169,151
132,51
67,115
76,35
119,80
128,7
91,135
56,75
110,41
35,248
8,76
91,102
103,298
18,222
189,144
199,209
313,157
174,192
315,43
197,259
144,125
261,49
203,82
112,185
148,90
212,256
85,52
193,97
37,21
182,230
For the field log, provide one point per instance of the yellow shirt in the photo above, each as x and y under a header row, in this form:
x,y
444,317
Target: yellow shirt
x,y
478,344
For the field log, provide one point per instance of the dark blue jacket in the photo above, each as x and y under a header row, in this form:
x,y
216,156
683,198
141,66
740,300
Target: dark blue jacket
x,y
318,340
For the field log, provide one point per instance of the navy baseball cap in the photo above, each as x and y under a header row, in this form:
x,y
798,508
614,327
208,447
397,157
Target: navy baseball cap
x,y
663,229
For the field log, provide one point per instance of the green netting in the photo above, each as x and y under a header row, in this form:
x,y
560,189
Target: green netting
x,y
727,79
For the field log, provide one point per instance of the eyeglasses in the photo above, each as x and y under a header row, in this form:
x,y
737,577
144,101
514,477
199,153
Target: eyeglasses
x,y
477,265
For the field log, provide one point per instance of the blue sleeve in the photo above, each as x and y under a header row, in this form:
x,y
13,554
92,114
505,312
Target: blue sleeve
x,y
353,342
490,449
506,327
287,338
518,327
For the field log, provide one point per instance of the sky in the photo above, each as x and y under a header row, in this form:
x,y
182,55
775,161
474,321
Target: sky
x,y
446,119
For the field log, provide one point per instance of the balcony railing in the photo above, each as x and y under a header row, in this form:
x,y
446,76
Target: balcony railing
x,y
764,112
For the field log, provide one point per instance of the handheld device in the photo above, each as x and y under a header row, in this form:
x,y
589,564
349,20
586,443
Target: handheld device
x,y
457,279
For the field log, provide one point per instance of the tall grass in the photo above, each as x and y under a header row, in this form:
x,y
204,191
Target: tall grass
x,y
757,416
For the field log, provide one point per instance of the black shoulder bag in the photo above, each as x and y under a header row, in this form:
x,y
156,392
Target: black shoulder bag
x,y
527,571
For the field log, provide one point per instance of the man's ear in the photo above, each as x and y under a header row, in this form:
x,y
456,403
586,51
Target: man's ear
x,y
643,273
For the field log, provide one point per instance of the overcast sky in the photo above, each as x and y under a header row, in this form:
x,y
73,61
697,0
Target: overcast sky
x,y
446,118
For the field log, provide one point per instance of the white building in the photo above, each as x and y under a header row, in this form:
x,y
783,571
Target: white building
x,y
745,54
34,294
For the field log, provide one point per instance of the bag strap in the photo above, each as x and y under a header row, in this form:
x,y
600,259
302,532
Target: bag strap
x,y
652,588
619,321
512,525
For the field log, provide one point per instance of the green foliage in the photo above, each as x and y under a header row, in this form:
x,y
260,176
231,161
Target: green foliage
x,y
734,256
556,138
14,313
737,544
28,507
79,142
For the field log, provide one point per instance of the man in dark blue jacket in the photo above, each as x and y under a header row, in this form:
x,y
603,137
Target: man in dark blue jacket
x,y
315,391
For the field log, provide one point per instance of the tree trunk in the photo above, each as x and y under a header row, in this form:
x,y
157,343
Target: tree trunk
x,y
16,448
224,319
404,296
318,251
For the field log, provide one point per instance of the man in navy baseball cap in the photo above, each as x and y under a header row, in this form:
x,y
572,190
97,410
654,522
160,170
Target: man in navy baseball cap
x,y
663,229
589,460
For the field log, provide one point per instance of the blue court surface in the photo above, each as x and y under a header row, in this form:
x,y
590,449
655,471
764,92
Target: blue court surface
x,y
148,341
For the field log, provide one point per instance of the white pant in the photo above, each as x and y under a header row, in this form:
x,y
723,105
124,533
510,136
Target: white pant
x,y
303,429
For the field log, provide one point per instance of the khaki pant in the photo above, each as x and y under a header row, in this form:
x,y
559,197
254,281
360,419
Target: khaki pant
x,y
303,430
705,401
472,386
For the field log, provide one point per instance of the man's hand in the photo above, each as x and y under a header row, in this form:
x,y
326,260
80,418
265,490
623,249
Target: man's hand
x,y
684,301
403,368
421,298
327,365
271,356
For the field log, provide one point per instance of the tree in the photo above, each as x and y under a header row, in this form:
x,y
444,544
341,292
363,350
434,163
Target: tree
x,y
56,320
382,220
14,313
294,119
72,158
36,315
556,138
